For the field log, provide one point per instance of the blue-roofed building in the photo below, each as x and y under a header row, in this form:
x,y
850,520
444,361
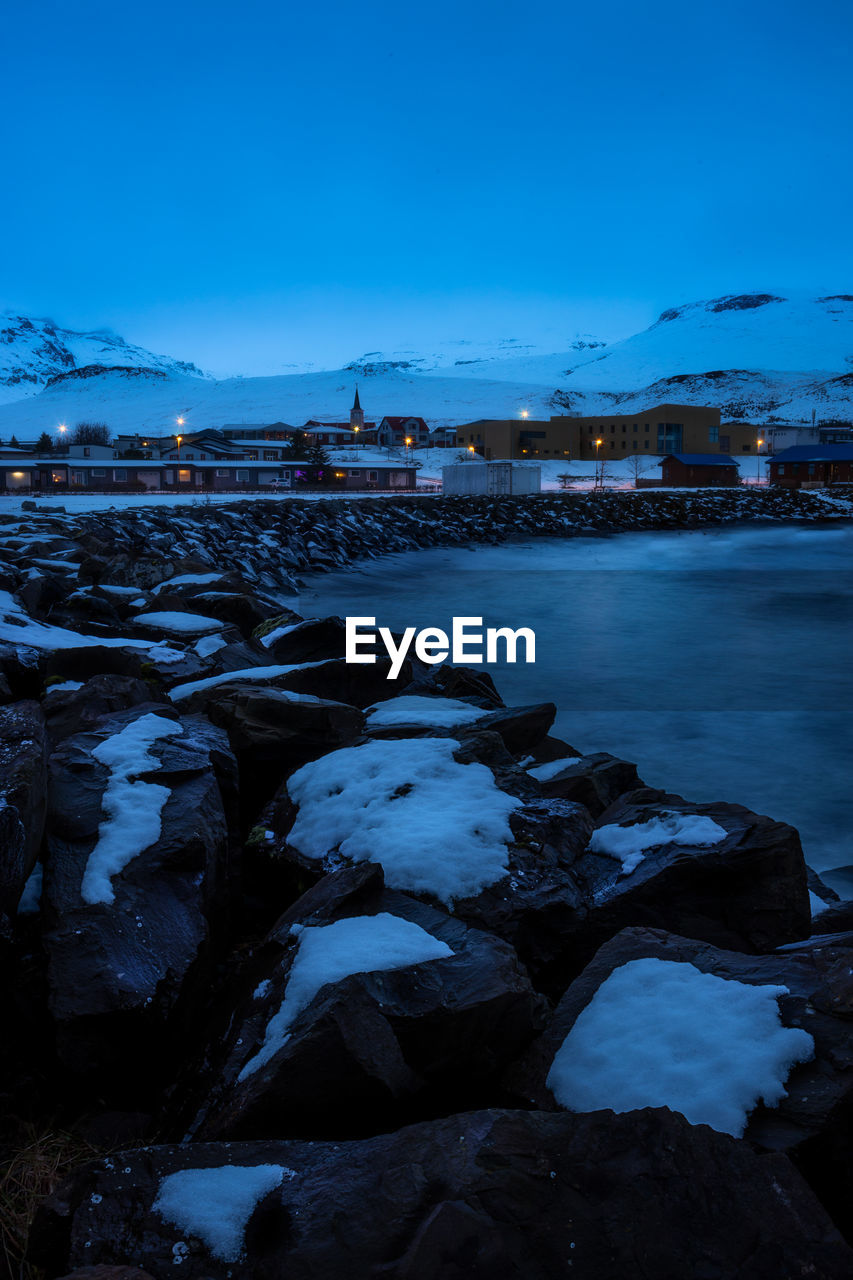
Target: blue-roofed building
x,y
697,470
812,465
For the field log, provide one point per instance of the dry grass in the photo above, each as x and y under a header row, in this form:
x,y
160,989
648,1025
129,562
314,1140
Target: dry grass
x,y
34,1169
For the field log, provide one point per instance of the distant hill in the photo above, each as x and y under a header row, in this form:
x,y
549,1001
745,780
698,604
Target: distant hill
x,y
756,355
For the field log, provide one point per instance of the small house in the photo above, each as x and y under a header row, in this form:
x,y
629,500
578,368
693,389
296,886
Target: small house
x,y
812,466
699,470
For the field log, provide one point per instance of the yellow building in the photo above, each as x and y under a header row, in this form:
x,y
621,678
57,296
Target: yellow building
x,y
661,429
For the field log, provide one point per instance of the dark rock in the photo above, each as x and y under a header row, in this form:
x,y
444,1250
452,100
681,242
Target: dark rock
x,y
120,972
108,1272
596,781
23,776
812,1123
272,732
314,640
747,893
374,1048
21,667
71,711
521,727
523,1195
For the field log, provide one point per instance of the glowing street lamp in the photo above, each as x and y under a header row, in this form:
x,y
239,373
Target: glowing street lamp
x,y
759,442
598,445
356,429
408,446
525,413
179,439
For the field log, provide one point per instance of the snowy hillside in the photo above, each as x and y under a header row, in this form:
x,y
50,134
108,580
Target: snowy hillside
x,y
754,355
32,352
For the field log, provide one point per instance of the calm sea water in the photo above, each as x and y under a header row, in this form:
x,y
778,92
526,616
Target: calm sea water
x,y
720,661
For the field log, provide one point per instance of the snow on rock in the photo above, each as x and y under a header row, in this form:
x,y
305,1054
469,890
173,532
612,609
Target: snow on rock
x,y
17,627
660,1033
208,645
258,674
629,844
180,623
435,825
216,1204
545,772
329,953
444,713
132,807
186,579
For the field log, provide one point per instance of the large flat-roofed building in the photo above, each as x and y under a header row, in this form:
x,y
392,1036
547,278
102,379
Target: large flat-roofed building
x,y
659,430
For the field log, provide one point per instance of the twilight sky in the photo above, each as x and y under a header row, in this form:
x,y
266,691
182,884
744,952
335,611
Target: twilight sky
x,y
262,186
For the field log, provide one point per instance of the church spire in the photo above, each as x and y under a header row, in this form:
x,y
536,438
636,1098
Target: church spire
x,y
356,413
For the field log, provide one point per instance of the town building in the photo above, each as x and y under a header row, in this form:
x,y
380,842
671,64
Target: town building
x,y
146,475
394,432
659,430
812,466
697,470
336,434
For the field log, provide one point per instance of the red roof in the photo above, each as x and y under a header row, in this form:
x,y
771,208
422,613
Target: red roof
x,y
396,422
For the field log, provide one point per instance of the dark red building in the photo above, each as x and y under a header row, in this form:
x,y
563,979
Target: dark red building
x,y
812,465
696,470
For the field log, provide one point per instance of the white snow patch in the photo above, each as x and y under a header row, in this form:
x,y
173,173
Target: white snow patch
x,y
629,844
64,686
658,1033
185,578
245,673
208,645
545,772
180,623
435,825
442,713
272,636
329,953
132,807
216,1204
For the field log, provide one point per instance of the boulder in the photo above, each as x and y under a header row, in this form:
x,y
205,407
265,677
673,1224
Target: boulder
x,y
812,1122
23,774
529,1196
237,609
272,732
596,781
69,711
747,891
372,1047
133,891
313,640
20,666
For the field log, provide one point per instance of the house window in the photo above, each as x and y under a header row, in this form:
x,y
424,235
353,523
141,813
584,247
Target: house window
x,y
120,473
811,468
714,435
183,475
745,448
781,470
87,453
78,477
635,427
222,471
355,473
270,455
99,471
189,456
242,476
624,428
373,475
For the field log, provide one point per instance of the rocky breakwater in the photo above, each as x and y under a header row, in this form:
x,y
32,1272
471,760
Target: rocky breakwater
x,y
326,973
268,543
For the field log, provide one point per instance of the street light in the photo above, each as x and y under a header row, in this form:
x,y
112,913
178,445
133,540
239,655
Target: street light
x,y
598,445
759,443
356,430
525,413
179,439
408,445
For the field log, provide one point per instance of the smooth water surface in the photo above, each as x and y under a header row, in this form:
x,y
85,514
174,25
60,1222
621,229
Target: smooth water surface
x,y
719,660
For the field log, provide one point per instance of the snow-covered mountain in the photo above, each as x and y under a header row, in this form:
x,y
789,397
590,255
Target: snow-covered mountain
x,y
34,352
756,355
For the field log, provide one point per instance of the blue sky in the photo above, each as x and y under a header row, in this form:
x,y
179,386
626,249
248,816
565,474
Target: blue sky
x,y
263,185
